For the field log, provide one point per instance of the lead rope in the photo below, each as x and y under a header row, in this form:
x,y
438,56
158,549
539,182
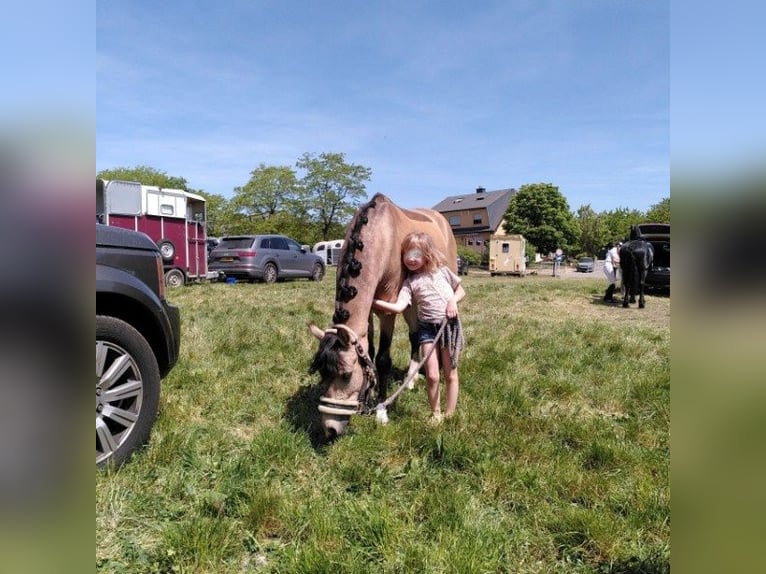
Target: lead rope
x,y
381,411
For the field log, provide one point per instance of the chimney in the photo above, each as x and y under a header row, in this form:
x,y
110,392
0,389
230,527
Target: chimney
x,y
480,190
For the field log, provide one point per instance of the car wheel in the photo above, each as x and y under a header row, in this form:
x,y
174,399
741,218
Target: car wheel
x,y
167,250
318,272
270,273
174,278
127,390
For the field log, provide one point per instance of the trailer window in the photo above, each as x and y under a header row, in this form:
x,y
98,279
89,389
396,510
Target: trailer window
x,y
123,198
166,209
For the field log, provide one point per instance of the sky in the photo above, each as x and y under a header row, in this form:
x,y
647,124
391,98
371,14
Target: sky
x,y
436,98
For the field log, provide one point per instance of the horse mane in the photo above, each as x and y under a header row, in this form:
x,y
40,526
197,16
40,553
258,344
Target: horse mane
x,y
326,358
351,267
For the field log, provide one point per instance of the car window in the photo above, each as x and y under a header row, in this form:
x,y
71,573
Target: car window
x,y
266,243
278,243
235,243
293,245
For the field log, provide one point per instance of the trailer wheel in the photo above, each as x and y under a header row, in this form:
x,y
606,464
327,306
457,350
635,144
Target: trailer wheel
x,y
167,250
174,278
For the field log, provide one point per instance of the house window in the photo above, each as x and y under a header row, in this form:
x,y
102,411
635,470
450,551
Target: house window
x,y
477,218
454,220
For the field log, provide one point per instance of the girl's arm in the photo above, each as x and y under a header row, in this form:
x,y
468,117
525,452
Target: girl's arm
x,y
395,307
452,303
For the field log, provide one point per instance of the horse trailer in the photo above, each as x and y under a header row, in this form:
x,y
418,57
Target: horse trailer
x,y
507,255
329,250
173,218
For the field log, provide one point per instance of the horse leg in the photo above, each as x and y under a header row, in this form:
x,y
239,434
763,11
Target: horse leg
x,y
383,357
410,316
626,291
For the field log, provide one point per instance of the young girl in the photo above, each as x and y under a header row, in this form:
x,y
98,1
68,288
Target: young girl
x,y
436,290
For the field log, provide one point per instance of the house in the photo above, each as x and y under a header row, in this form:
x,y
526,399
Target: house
x,y
476,217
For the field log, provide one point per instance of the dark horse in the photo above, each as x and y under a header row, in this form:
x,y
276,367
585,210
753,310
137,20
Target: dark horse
x,y
370,267
636,257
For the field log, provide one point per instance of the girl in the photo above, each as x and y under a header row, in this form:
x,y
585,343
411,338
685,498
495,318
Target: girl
x,y
436,291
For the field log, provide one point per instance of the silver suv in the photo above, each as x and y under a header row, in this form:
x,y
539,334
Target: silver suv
x,y
266,258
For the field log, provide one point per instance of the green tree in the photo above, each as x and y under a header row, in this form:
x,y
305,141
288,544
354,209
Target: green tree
x,y
145,175
659,212
617,223
331,191
541,214
270,190
593,232
218,213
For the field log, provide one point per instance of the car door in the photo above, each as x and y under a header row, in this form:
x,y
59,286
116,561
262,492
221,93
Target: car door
x,y
302,260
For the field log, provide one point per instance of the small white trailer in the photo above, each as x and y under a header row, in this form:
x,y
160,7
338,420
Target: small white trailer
x,y
507,255
329,250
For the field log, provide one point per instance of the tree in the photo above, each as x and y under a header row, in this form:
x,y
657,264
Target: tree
x,y
331,190
270,190
617,223
145,175
218,213
659,212
541,214
593,232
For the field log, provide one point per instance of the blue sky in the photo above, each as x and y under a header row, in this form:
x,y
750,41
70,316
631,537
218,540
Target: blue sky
x,y
437,98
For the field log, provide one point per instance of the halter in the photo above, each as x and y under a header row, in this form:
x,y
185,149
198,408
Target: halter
x,y
369,382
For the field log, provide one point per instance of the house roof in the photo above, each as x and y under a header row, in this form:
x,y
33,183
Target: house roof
x,y
495,202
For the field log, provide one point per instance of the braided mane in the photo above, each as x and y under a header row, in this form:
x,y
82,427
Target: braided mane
x,y
350,266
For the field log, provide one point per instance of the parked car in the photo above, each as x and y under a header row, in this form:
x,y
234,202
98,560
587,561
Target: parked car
x,y
462,265
212,242
138,338
266,258
585,265
658,234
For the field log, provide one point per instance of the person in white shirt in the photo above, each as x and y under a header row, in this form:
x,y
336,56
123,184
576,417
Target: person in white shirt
x,y
611,265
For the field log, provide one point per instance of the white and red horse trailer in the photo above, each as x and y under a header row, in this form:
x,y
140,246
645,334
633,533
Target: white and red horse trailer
x,y
174,219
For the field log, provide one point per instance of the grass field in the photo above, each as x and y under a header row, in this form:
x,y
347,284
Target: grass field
x,y
557,460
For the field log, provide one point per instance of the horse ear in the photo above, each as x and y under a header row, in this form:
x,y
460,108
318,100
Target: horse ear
x,y
316,331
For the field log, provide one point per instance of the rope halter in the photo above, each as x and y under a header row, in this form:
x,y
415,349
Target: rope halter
x,y
347,407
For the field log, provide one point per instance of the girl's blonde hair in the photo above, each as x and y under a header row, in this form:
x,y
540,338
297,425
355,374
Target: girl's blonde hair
x,y
432,257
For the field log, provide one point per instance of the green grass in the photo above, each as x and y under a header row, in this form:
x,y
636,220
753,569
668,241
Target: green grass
x,y
557,460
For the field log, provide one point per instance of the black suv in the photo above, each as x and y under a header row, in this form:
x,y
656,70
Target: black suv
x,y
138,337
658,234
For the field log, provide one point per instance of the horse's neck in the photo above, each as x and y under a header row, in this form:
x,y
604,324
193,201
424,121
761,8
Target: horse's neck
x,y
372,258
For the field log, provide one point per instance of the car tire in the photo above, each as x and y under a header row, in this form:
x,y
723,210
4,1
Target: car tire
x,y
270,274
167,250
317,274
174,278
127,390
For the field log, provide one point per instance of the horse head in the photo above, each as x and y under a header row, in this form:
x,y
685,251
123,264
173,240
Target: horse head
x,y
348,376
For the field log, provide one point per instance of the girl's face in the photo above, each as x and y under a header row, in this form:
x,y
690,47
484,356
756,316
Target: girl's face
x,y
413,259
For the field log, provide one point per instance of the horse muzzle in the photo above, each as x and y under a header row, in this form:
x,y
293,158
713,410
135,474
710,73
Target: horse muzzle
x,y
343,407
336,414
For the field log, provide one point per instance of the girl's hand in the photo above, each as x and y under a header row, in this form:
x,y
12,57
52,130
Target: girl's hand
x,y
451,309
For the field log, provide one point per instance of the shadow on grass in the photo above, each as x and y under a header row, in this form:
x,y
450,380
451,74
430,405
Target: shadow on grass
x,y
302,413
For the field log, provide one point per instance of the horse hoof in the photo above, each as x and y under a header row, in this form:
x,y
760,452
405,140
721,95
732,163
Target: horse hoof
x,y
641,305
624,305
